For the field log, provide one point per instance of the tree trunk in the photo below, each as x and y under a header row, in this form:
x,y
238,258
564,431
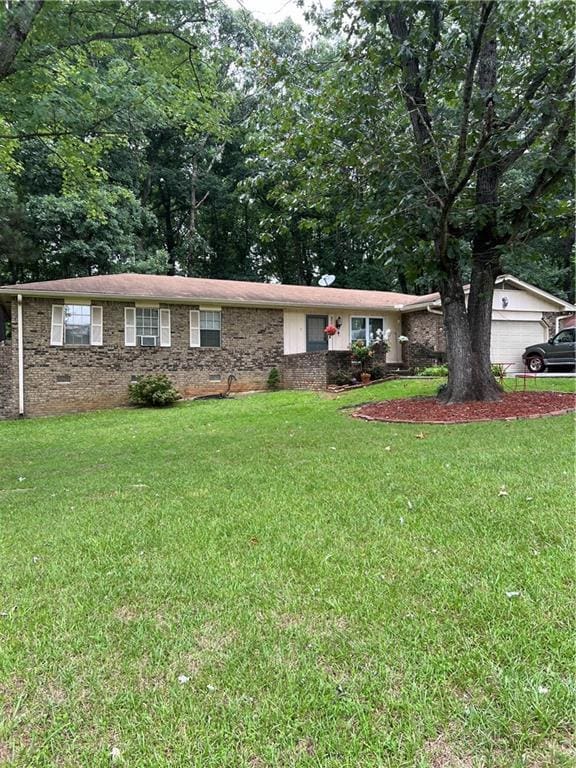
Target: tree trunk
x,y
460,386
480,323
170,239
20,19
192,218
485,256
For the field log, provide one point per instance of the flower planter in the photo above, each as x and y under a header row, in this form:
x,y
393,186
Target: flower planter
x,y
365,377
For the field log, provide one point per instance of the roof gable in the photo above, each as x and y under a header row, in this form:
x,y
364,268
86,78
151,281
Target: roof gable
x,y
507,281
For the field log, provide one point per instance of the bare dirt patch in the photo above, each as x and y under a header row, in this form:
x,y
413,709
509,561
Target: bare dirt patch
x,y
427,410
441,754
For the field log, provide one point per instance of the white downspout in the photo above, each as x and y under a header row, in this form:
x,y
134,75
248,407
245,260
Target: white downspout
x,y
20,359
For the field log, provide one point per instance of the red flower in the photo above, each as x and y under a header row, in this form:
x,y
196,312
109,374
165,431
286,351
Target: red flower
x,y
330,330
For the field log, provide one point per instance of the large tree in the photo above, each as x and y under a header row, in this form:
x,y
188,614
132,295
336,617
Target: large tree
x,y
446,127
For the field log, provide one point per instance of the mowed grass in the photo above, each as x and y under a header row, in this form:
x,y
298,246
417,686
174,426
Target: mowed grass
x,y
333,591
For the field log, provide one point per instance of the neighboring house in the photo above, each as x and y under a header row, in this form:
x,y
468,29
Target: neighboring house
x,y
76,344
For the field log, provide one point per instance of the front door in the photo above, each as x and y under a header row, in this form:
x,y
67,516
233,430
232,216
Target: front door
x,y
316,339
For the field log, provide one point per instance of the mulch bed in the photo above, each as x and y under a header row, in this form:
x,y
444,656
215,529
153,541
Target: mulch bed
x,y
427,410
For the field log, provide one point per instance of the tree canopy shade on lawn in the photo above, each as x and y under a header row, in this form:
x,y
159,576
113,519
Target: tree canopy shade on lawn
x,y
257,582
457,119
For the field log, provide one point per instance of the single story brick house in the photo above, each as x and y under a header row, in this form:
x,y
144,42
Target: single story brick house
x,y
76,344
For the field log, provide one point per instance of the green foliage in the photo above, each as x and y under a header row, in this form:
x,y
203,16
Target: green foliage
x,y
342,377
441,390
361,353
155,391
296,159
498,370
434,370
273,381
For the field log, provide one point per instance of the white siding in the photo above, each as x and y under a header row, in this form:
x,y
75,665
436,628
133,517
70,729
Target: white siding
x,y
295,330
510,338
521,300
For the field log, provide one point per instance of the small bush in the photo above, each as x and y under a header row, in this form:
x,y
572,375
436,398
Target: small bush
x,y
378,371
273,382
498,370
342,378
153,391
434,370
441,390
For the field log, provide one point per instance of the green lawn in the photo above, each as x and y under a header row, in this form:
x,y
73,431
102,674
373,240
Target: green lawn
x,y
334,590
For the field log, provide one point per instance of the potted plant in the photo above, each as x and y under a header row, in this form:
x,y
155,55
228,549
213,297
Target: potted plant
x,y
361,353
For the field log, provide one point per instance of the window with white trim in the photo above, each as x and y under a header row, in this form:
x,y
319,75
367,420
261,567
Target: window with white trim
x,y
75,325
210,327
77,321
366,329
147,322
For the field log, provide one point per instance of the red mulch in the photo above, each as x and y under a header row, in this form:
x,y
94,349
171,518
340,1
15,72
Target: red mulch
x,y
427,410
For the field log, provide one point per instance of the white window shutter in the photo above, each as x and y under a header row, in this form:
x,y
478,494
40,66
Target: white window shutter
x,y
194,328
96,326
165,338
57,329
129,326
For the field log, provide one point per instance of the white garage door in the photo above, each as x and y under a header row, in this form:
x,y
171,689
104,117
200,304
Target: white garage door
x,y
510,337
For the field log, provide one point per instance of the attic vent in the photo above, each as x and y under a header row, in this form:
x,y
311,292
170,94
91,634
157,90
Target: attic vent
x,y
215,377
63,379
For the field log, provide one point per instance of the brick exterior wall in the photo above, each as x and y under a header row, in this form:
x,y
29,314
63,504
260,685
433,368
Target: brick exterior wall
x,y
305,370
550,320
316,370
66,379
427,342
8,406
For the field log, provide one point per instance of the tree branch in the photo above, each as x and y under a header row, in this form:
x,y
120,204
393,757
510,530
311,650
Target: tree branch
x,y
559,158
539,79
415,99
20,22
538,129
485,12
434,29
65,45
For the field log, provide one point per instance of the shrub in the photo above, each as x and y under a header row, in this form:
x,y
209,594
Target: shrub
x,y
341,378
498,370
153,391
378,371
273,382
441,390
434,370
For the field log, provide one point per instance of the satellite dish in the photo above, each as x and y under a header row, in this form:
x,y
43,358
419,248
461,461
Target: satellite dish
x,y
326,280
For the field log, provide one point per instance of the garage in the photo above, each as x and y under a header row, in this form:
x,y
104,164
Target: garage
x,y
510,337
